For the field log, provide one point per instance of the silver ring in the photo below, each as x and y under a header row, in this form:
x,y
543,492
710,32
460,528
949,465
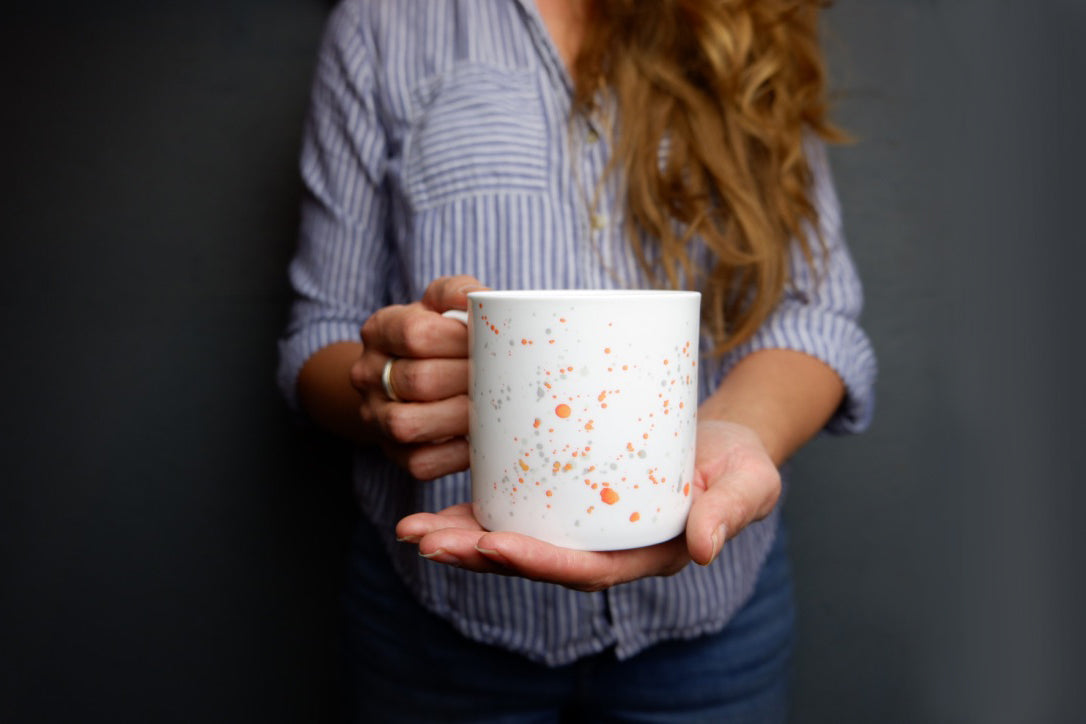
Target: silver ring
x,y
386,381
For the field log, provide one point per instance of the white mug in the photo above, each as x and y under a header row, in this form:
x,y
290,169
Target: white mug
x,y
583,414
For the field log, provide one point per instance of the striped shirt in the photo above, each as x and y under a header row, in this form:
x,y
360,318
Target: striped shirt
x,y
440,141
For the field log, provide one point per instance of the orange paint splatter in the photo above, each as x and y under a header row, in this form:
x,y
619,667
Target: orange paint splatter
x,y
634,517
563,411
590,509
629,446
523,341
645,436
562,320
665,362
536,423
588,425
567,467
602,396
607,350
523,465
625,367
609,496
550,493
686,489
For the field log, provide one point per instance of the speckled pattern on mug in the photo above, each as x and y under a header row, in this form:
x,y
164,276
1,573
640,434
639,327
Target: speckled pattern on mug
x,y
583,415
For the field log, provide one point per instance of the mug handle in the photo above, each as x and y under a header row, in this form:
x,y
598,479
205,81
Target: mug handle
x,y
458,314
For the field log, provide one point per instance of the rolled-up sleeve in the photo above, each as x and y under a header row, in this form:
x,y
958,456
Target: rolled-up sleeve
x,y
342,261
820,310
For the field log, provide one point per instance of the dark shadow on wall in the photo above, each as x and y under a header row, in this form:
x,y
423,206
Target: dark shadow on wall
x,y
173,541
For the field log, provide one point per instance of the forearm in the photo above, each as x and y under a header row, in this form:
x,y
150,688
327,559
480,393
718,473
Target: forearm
x,y
785,396
326,394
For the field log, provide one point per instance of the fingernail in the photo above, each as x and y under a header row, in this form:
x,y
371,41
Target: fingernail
x,y
442,557
409,539
493,555
718,538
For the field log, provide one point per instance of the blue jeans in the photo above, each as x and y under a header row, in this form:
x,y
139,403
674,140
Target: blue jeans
x,y
407,665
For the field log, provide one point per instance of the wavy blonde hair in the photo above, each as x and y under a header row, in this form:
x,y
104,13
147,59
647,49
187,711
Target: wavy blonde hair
x,y
729,88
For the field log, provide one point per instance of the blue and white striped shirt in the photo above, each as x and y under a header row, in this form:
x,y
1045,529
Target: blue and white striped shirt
x,y
440,141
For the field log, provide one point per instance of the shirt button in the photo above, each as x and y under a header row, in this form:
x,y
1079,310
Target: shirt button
x,y
599,222
593,137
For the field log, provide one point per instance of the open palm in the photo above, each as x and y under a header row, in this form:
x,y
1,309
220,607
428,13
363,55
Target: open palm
x,y
735,484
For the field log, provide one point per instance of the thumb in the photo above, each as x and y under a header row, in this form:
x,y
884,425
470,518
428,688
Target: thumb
x,y
731,502
448,293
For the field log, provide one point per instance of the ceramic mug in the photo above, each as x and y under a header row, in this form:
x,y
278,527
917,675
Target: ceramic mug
x,y
583,414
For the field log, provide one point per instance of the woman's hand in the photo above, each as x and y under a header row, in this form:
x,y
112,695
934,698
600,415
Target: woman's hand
x,y
735,484
423,431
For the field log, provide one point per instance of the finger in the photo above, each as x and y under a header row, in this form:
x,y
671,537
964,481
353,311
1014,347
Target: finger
x,y
582,570
430,379
419,524
457,547
419,422
448,537
447,293
431,460
412,330
729,504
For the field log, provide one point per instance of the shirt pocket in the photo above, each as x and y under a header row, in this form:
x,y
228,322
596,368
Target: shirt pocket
x,y
476,130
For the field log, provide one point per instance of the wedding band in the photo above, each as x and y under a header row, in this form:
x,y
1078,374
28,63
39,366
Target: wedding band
x,y
386,381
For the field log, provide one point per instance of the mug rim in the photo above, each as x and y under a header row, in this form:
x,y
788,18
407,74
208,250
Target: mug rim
x,y
580,294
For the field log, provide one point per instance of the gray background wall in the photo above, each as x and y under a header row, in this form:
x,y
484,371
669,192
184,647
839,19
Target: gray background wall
x,y
172,543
